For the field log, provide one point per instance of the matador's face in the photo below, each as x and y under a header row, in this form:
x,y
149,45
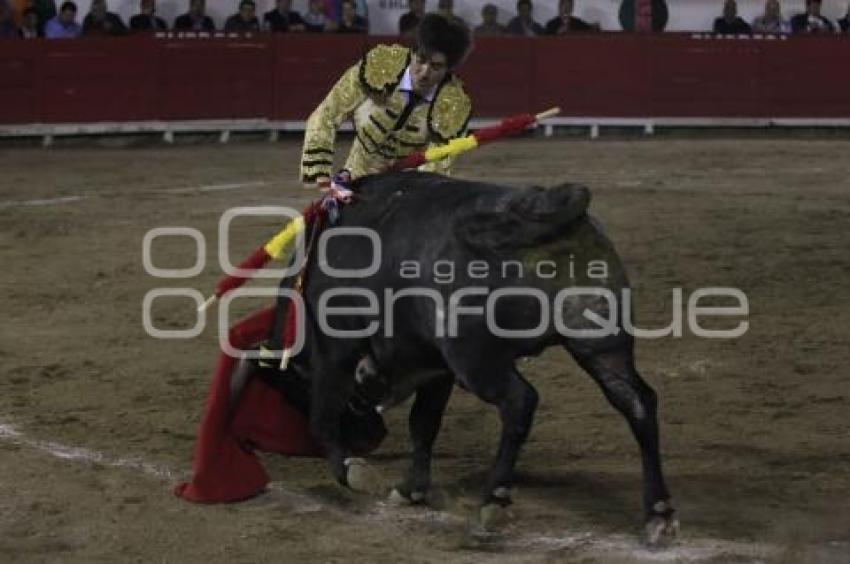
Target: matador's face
x,y
427,71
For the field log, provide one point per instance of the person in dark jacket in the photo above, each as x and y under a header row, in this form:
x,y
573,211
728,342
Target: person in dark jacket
x,y
8,29
643,16
565,22
99,21
409,21
46,10
283,18
490,22
195,19
523,23
730,22
812,22
349,21
245,20
844,23
30,28
146,19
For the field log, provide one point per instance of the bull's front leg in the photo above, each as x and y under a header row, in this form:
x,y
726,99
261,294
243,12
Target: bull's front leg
x,y
426,415
333,385
327,404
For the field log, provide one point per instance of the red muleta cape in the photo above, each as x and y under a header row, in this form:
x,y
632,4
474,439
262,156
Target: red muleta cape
x,y
225,468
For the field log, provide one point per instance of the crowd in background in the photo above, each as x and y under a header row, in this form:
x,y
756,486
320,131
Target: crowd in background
x,y
772,21
40,18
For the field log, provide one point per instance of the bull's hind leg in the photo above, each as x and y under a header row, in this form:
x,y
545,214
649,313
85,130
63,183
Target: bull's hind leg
x,y
426,415
615,372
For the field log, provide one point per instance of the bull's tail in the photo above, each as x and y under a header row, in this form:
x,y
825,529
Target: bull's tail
x,y
532,217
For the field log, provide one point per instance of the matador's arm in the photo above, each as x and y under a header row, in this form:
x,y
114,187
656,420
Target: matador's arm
x,y
341,101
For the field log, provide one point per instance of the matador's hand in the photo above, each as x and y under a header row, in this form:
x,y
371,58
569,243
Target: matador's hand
x,y
322,183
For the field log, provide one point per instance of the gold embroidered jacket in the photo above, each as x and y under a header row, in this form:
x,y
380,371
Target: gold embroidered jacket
x,y
388,125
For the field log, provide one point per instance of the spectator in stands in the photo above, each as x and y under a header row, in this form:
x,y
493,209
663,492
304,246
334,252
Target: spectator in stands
x,y
315,19
100,22
29,25
446,8
146,19
245,20
523,23
844,23
333,9
643,16
490,21
283,18
361,7
64,24
730,22
350,21
409,21
565,22
46,10
771,21
812,22
195,19
8,29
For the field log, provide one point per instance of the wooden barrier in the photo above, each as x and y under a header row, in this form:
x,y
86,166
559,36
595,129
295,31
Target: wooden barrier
x,y
282,77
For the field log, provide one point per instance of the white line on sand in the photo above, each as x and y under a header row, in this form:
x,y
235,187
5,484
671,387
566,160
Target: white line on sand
x,y
615,548
8,432
42,202
237,186
619,547
625,548
182,190
213,187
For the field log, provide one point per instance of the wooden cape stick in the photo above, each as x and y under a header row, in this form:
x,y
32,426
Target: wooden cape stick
x,y
551,112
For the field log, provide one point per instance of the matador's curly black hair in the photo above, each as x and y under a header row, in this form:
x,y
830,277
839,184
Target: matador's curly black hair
x,y
436,34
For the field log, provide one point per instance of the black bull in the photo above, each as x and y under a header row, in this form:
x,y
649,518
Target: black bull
x,y
497,243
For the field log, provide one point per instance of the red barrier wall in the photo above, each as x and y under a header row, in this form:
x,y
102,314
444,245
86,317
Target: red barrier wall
x,y
20,64
283,77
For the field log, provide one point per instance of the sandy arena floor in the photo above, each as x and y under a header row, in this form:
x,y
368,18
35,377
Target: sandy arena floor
x,y
97,419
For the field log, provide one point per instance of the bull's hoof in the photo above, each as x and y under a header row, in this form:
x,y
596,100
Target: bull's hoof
x,y
400,499
494,517
361,477
661,530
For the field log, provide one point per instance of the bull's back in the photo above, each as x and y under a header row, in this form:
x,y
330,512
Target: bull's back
x,y
430,218
437,234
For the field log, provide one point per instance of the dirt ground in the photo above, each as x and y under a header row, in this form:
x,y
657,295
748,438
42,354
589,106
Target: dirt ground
x,y
97,419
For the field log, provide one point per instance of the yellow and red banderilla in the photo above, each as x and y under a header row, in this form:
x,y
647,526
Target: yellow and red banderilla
x,y
278,246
